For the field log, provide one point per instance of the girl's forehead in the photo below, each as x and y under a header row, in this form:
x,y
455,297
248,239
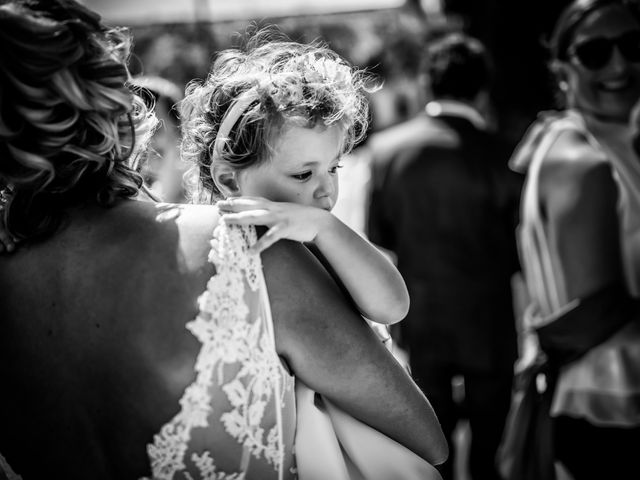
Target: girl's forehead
x,y
295,145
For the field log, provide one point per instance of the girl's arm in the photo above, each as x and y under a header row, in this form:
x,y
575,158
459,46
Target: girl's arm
x,y
373,282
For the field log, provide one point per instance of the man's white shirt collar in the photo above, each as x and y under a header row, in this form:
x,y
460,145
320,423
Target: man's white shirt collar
x,y
454,108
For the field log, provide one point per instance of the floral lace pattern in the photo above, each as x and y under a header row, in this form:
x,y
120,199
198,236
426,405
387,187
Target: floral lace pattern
x,y
237,356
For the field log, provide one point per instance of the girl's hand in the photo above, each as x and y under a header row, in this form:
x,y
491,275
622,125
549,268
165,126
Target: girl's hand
x,y
285,220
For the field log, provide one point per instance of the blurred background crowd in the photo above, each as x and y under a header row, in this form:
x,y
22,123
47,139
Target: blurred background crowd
x,y
175,41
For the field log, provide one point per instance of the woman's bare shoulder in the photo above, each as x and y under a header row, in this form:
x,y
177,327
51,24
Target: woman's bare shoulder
x,y
156,252
148,232
579,198
150,217
572,156
574,168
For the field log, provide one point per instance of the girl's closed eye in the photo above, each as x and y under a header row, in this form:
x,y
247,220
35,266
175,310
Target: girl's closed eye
x,y
302,176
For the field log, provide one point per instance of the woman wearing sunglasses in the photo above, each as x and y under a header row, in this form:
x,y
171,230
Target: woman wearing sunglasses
x,y
578,402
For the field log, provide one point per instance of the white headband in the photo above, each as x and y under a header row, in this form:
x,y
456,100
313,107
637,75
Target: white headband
x,y
283,93
230,119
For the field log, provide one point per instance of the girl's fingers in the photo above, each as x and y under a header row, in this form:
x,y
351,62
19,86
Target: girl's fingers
x,y
274,234
249,217
240,204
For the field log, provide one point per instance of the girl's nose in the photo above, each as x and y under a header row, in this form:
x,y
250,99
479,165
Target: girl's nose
x,y
326,186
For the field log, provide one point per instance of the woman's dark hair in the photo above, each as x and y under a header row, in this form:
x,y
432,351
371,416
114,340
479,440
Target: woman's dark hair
x,y
571,18
70,129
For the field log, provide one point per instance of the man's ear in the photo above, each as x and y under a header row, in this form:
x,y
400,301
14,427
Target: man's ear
x,y
224,176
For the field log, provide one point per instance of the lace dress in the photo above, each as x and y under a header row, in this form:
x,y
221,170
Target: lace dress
x,y
237,419
242,395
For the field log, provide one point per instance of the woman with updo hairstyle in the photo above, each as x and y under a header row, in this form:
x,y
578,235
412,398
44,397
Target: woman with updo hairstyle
x,y
137,339
578,407
68,123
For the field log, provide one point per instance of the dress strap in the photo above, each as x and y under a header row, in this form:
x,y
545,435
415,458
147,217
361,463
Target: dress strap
x,y
544,278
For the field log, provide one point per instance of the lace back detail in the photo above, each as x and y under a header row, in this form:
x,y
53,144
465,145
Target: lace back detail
x,y
238,361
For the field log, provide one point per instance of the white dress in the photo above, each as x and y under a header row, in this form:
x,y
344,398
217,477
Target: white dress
x,y
236,420
241,386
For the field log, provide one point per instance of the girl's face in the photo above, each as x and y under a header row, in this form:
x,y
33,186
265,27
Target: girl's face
x,y
303,168
611,86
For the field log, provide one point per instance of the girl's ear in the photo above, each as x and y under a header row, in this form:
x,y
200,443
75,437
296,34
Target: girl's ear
x,y
224,176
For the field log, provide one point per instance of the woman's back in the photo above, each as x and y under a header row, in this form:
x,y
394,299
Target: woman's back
x,y
94,350
123,351
95,354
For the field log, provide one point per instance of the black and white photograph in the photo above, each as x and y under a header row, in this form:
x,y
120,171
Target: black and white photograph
x,y
319,239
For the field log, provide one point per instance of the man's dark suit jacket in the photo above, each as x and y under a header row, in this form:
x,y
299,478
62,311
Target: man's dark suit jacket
x,y
444,200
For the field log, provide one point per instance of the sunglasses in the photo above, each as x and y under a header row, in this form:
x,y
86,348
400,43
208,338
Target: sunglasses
x,y
595,53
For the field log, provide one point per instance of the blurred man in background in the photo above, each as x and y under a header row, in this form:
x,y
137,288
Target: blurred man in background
x,y
444,201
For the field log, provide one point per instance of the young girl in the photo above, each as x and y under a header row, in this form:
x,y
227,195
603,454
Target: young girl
x,y
267,130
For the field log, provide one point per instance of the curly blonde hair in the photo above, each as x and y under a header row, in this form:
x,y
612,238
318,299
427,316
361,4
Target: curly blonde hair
x,y
268,84
70,128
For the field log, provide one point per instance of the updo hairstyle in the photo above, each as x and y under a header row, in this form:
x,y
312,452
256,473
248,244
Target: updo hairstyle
x,y
70,129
